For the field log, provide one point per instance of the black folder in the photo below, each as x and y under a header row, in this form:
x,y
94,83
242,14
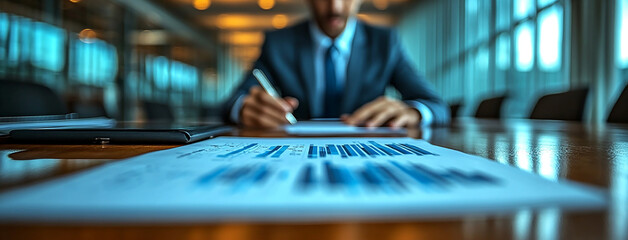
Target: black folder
x,y
123,133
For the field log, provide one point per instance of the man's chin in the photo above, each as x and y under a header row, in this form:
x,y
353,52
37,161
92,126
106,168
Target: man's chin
x,y
336,28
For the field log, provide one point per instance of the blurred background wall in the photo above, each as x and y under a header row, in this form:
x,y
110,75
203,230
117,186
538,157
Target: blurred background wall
x,y
190,54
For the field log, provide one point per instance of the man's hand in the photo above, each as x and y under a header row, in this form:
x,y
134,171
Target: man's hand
x,y
384,110
261,110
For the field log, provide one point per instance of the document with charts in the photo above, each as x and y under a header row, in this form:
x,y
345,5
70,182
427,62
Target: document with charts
x,y
231,178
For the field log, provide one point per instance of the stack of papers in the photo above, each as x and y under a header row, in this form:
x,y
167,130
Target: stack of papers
x,y
230,178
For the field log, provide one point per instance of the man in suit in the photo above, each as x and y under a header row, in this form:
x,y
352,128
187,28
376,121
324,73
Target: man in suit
x,y
336,66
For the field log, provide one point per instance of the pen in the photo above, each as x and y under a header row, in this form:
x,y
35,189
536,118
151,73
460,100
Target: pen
x,y
261,78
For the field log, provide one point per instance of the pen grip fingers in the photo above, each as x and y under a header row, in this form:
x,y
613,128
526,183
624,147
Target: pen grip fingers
x,y
265,99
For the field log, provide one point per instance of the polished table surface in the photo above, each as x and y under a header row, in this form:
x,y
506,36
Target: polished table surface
x,y
595,155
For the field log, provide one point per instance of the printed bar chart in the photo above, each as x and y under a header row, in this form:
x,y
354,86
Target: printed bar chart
x,y
370,149
386,176
296,178
391,175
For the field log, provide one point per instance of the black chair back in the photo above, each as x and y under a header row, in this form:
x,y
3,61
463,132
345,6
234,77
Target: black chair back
x,y
490,108
89,109
619,113
568,106
28,99
454,109
158,112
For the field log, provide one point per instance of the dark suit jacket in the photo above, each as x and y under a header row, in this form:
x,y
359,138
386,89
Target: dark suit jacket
x,y
377,60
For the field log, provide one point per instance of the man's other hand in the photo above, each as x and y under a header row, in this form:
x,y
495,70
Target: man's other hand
x,y
260,110
384,111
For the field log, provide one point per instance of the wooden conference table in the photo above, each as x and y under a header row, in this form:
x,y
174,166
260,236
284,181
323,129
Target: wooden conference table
x,y
596,155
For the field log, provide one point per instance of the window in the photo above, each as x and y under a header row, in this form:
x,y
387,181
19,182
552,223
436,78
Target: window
x,y
550,38
622,56
477,21
183,76
18,50
160,71
482,58
503,52
165,73
543,3
93,62
23,41
499,46
48,47
4,33
525,49
523,9
502,20
471,22
483,17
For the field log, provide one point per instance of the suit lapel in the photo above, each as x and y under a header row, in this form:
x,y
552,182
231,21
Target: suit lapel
x,y
355,70
306,58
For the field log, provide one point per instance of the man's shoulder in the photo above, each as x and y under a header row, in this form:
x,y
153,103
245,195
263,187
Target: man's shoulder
x,y
377,32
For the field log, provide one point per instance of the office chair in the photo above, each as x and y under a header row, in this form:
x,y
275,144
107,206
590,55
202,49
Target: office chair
x,y
490,108
211,113
454,108
88,109
568,106
28,99
157,112
619,113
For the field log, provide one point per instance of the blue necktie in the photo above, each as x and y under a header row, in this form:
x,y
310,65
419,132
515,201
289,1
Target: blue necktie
x,y
332,91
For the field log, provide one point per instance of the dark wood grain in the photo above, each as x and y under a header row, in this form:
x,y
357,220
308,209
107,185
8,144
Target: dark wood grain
x,y
594,155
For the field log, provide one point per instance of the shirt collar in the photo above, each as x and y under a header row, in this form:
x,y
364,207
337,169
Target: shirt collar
x,y
342,42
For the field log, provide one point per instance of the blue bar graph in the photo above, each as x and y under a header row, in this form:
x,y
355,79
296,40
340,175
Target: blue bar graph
x,y
332,149
349,150
238,150
391,177
342,152
271,150
306,178
312,151
385,149
356,149
394,176
261,174
398,148
239,177
212,175
418,176
417,149
280,151
333,177
322,152
368,150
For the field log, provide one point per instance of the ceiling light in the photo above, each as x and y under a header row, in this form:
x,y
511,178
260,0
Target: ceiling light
x,y
280,21
266,4
202,4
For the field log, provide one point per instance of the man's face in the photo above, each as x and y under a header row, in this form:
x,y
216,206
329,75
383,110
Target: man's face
x,y
332,15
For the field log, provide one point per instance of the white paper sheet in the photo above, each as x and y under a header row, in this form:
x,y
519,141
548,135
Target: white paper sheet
x,y
230,178
314,128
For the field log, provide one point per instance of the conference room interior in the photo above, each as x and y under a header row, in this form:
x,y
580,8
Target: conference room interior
x,y
541,85
183,59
